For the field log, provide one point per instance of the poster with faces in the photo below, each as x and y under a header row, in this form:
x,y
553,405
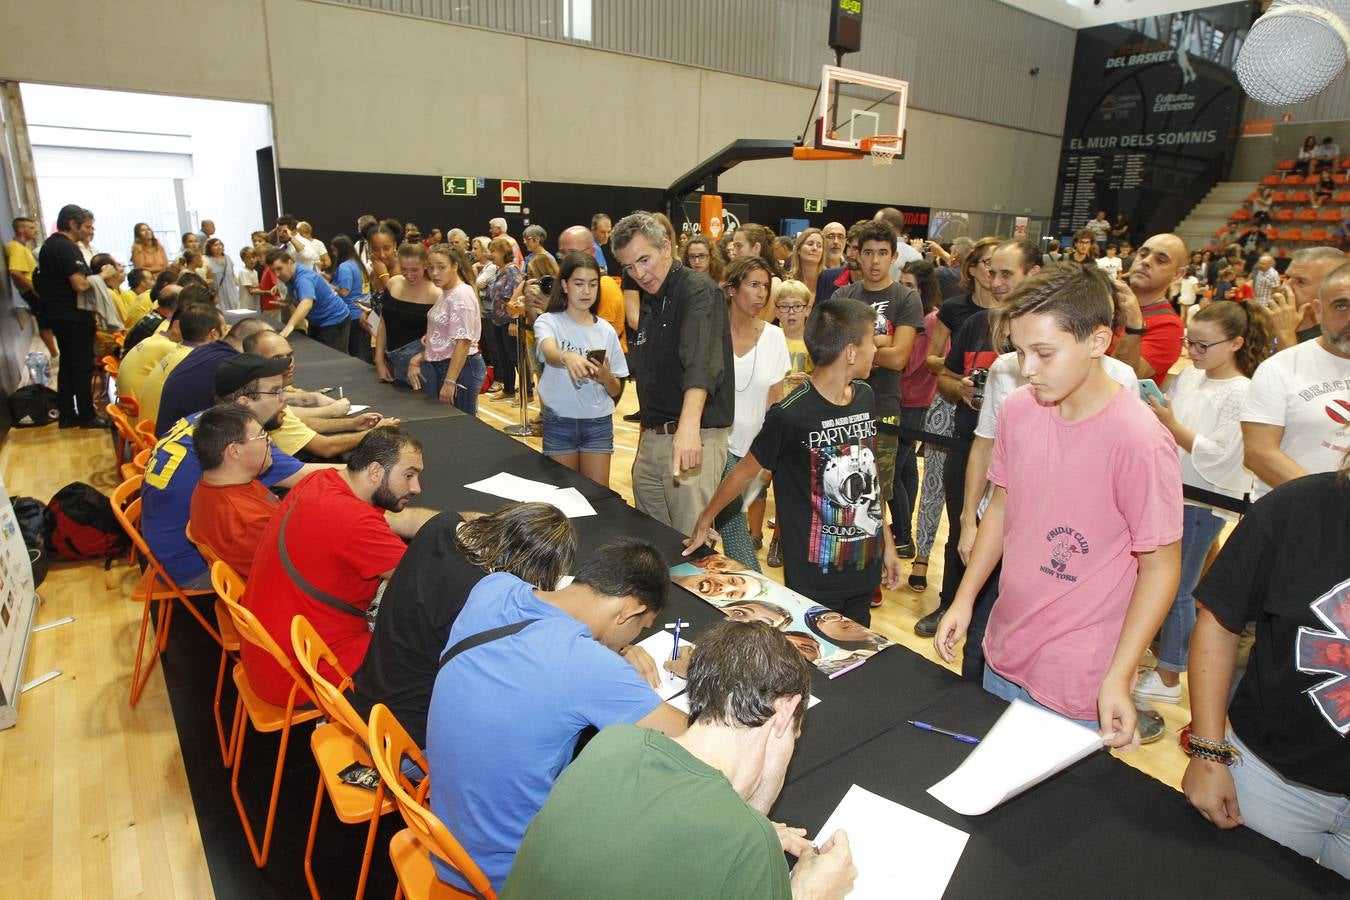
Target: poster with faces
x,y
827,640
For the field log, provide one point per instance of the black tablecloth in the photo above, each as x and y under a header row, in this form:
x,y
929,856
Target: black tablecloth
x,y
318,367
1098,829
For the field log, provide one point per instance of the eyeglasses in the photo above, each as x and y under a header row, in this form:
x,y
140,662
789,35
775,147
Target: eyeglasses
x,y
695,257
261,436
1202,347
987,262
790,307
289,357
278,393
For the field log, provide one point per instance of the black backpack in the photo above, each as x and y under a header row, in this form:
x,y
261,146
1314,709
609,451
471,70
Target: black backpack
x,y
84,525
35,524
33,406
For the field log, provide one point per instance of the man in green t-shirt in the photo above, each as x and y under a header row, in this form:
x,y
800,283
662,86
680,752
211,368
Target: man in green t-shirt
x,y
639,814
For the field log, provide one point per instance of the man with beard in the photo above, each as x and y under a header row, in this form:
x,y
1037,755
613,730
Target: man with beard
x,y
328,549
847,272
1296,418
173,471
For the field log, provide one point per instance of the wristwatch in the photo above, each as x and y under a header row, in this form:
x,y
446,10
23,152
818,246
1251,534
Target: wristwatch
x,y
1140,331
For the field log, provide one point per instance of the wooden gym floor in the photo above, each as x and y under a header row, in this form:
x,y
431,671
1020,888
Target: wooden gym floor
x,y
95,801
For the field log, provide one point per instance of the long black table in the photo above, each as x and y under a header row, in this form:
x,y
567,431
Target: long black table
x,y
318,366
1100,829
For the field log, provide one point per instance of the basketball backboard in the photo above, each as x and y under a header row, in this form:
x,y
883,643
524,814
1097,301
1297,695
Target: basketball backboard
x,y
852,109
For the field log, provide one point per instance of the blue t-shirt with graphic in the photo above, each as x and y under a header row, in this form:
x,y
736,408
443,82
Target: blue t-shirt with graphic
x,y
589,399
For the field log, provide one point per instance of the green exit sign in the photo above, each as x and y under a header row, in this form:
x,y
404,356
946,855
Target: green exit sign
x,y
813,206
459,186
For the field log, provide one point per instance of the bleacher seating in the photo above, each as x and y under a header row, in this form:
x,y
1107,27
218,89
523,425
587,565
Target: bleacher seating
x,y
1292,202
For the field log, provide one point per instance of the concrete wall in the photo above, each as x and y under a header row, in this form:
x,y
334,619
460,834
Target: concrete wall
x,y
353,90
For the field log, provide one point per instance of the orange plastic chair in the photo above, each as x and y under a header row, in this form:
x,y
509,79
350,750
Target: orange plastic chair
x,y
1284,215
1271,180
124,433
1291,234
1341,197
425,834
145,435
1330,215
1307,215
1279,197
1240,215
229,652
1300,197
263,716
335,746
137,464
1285,165
154,586
1317,235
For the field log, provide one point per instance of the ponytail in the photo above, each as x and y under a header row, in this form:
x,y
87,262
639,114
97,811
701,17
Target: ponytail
x,y
1248,321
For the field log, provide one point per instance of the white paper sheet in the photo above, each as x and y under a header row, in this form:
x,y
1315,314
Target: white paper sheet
x,y
513,487
572,503
1026,746
358,408
898,852
659,646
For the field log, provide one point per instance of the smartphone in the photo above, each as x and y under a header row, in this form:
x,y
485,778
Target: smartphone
x,y
1147,389
596,356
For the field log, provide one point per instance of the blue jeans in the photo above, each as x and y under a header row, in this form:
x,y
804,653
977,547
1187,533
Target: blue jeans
x,y
905,492
1308,821
1004,689
467,385
563,436
1201,526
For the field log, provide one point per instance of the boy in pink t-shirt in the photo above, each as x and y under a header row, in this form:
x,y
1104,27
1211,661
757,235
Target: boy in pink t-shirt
x,y
1085,515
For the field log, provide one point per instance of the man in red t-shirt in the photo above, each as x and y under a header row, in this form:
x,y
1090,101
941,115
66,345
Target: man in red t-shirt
x,y
329,546
1151,339
230,506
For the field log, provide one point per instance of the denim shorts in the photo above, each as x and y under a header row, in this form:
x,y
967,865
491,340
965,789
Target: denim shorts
x,y
563,435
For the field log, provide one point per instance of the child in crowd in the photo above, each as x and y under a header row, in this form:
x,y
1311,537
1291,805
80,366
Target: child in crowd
x,y
1203,410
793,305
1241,289
249,292
1188,287
1086,515
1110,263
449,366
582,370
820,445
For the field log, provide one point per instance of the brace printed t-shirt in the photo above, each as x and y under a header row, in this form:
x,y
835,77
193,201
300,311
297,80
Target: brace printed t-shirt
x,y
1083,497
1285,568
341,545
823,459
1306,391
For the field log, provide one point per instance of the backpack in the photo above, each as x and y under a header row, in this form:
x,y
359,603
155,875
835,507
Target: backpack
x,y
35,523
84,525
33,406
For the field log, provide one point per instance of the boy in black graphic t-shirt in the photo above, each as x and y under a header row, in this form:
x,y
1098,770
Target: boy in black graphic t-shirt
x,y
820,445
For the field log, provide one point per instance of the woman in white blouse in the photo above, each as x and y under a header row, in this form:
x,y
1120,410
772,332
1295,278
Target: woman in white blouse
x,y
1227,341
762,361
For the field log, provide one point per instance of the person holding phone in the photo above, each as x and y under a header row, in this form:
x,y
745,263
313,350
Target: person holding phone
x,y
1226,341
583,365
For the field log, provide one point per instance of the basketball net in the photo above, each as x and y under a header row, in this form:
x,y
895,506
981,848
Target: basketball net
x,y
883,149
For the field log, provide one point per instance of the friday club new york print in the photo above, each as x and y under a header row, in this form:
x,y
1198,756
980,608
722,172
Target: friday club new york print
x,y
1327,653
846,515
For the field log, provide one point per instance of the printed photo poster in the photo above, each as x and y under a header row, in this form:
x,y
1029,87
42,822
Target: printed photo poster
x,y
829,641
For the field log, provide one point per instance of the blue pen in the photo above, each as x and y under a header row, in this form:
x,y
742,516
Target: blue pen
x,y
964,738
675,651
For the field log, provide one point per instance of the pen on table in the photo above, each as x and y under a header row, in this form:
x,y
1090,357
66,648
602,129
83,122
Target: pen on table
x,y
675,651
964,738
340,394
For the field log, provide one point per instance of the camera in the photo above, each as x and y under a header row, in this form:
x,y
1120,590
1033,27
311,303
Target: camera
x,y
978,377
546,285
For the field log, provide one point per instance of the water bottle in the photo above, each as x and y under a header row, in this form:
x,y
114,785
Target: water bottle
x,y
39,368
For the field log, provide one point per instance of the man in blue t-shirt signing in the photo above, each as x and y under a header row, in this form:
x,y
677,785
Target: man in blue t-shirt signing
x,y
523,673
314,299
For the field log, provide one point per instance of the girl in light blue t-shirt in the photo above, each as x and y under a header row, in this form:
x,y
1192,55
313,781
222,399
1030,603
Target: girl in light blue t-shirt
x,y
582,367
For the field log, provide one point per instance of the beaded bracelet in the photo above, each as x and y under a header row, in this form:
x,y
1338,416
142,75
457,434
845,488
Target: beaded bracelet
x,y
1213,751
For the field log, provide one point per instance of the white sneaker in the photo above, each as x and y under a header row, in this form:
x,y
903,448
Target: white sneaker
x,y
1150,687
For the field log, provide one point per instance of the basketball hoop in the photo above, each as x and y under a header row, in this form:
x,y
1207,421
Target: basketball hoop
x,y
882,147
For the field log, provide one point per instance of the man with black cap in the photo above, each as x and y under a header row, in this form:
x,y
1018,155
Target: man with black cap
x,y
173,471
